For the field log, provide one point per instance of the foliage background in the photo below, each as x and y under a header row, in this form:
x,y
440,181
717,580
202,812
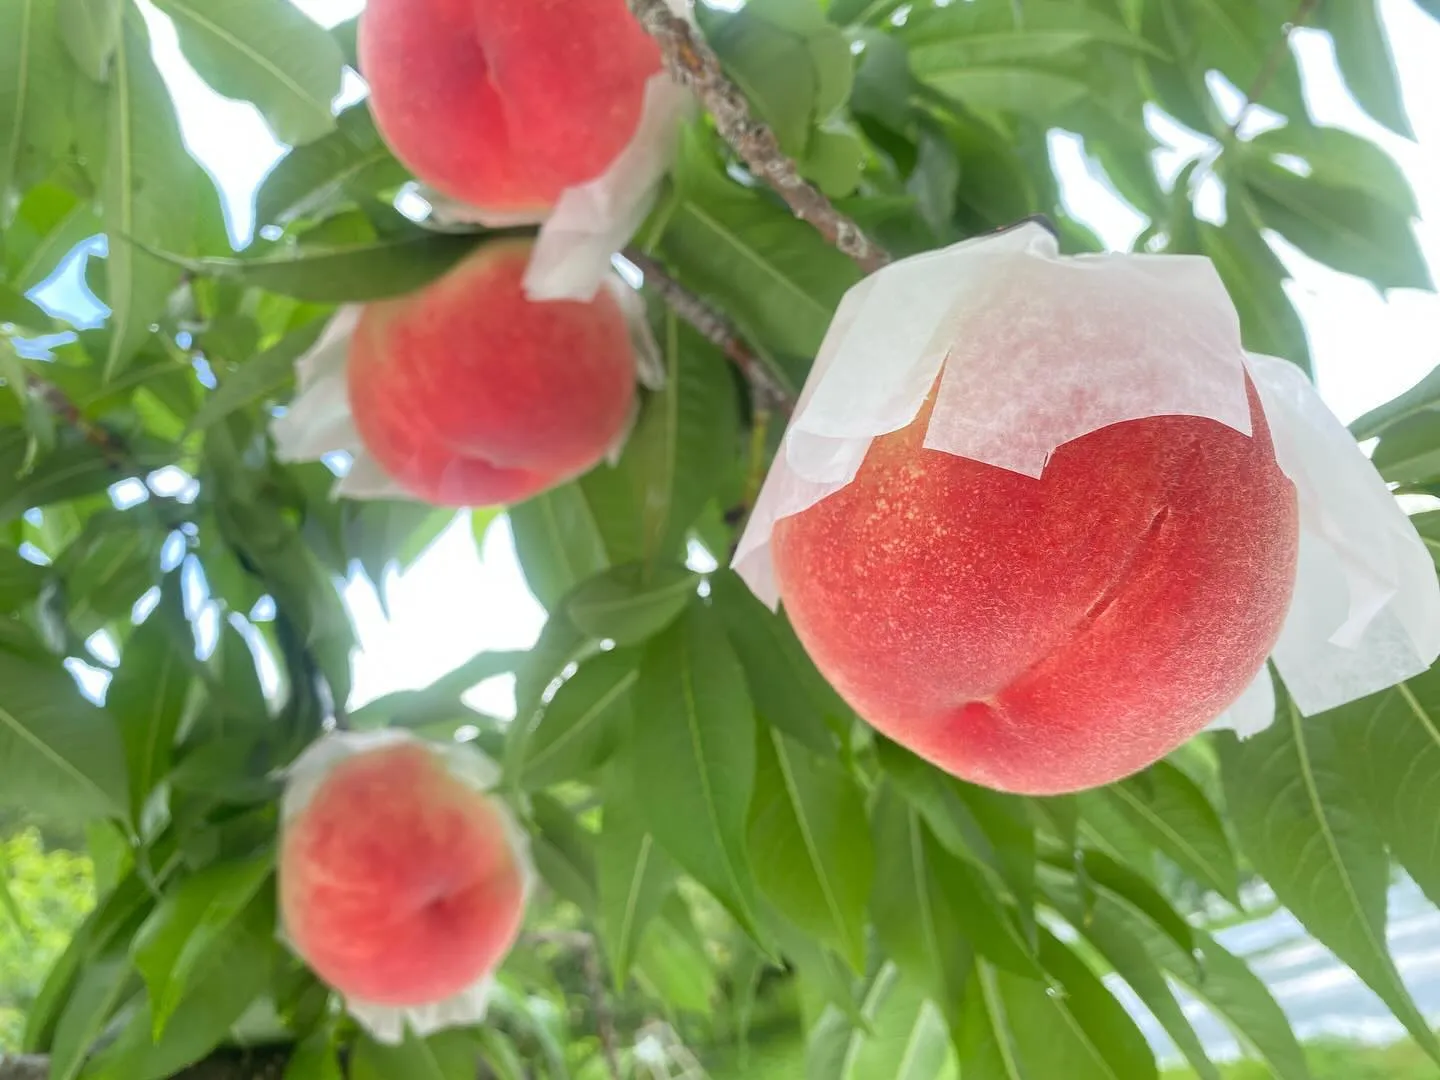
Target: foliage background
x,y
796,874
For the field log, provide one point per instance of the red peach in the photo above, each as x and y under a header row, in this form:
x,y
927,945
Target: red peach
x,y
398,884
1045,636
469,394
505,103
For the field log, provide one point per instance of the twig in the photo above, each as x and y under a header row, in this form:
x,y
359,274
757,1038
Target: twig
x,y
693,63
768,394
1273,59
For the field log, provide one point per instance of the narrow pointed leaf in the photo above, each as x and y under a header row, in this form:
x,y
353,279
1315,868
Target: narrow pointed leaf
x,y
810,843
148,197
1304,826
269,54
693,757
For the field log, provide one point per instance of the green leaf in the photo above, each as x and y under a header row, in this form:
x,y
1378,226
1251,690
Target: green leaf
x,y
905,1037
793,66
810,843
1340,158
314,1059
49,222
1203,967
1308,831
450,1055
499,1052
673,966
1252,275
20,579
90,30
102,985
148,695
635,876
583,722
1409,451
59,754
350,273
318,175
111,568
564,854
268,54
787,689
1393,760
1002,1010
556,542
1363,53
693,757
1421,398
1349,230
1099,869
178,943
913,917
236,973
1000,87
257,378
631,604
684,442
147,195
34,93
1238,995
1109,928
1170,809
774,275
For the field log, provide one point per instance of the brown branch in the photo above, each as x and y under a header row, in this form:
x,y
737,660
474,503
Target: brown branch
x,y
1273,59
691,62
768,393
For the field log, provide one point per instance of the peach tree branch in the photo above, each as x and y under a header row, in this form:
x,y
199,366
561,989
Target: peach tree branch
x,y
766,391
692,63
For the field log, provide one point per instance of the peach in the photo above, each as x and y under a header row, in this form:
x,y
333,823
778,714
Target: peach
x,y
1045,636
398,882
469,394
505,103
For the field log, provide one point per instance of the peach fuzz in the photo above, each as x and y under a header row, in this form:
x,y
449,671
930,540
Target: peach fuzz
x,y
469,394
505,103
398,882
1047,635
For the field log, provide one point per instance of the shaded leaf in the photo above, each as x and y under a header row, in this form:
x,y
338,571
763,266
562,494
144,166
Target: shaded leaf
x,y
258,377
59,754
147,697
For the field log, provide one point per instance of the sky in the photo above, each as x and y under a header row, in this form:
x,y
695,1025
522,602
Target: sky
x,y
1366,347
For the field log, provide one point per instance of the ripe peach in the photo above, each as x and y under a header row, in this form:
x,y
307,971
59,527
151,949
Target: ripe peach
x,y
505,103
469,394
398,884
1044,636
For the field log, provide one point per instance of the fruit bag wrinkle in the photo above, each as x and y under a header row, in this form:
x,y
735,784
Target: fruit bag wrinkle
x,y
1366,611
